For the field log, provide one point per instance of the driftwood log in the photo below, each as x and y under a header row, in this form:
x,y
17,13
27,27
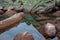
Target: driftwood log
x,y
9,12
48,30
4,24
57,13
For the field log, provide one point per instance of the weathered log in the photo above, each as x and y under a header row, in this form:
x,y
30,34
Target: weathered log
x,y
10,21
42,18
23,36
22,9
9,12
18,10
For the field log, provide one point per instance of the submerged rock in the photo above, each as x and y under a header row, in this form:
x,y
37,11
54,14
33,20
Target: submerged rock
x,y
23,36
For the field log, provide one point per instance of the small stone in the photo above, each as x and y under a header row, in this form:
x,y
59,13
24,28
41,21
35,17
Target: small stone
x,y
23,36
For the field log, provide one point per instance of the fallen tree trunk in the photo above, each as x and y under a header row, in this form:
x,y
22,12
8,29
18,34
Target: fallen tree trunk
x,y
9,12
10,21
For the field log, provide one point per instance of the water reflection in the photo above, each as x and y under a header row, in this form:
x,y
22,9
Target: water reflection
x,y
9,35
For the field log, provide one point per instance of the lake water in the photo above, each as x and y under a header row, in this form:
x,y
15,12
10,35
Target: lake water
x,y
22,27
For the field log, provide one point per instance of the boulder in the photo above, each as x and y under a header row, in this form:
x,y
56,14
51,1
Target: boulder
x,y
48,30
23,36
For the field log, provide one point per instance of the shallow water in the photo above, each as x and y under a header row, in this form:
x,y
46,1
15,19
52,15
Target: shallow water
x,y
22,27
